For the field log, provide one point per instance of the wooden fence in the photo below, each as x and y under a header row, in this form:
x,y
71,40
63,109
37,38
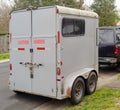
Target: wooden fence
x,y
4,44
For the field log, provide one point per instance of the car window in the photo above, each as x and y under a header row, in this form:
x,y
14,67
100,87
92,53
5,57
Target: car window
x,y
106,36
118,37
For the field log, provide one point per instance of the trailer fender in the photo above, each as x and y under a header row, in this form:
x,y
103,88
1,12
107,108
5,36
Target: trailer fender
x,y
84,73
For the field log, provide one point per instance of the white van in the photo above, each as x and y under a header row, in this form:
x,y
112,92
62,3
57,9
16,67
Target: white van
x,y
53,52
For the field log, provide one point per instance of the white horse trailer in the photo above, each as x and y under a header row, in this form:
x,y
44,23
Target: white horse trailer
x,y
53,52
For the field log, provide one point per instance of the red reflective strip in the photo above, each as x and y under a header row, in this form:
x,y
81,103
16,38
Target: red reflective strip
x,y
22,42
58,79
21,49
39,41
58,37
40,48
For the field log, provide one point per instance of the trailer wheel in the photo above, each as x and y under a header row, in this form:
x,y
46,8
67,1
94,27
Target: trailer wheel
x,y
78,91
91,83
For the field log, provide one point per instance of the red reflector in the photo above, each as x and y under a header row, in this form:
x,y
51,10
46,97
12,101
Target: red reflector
x,y
10,66
116,51
61,63
58,37
40,48
57,11
10,37
58,79
58,71
21,49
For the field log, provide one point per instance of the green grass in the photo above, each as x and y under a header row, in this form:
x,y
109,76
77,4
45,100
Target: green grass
x,y
119,77
4,56
102,99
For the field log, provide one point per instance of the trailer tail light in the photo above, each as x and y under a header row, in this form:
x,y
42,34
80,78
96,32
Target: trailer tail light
x,y
58,37
10,66
40,48
10,69
58,71
21,49
116,51
57,11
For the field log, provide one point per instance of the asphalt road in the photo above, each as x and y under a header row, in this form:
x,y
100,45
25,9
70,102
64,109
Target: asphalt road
x,y
12,101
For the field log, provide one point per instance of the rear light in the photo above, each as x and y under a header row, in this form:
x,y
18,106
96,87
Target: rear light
x,y
10,37
58,71
21,49
57,11
116,51
10,69
58,37
10,66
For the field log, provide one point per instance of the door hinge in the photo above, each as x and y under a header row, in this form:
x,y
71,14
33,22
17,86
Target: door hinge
x,y
31,50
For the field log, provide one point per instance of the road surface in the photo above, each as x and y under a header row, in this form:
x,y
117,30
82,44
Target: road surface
x,y
11,101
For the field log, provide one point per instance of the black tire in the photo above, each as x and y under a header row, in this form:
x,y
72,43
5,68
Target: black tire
x,y
78,91
91,83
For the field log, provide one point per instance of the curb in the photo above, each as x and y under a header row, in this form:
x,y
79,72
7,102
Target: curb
x,y
3,61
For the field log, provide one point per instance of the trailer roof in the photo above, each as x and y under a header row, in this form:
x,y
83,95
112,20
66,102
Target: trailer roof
x,y
65,10
78,12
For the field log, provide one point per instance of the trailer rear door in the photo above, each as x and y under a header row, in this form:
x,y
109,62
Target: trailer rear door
x,y
20,28
33,51
44,55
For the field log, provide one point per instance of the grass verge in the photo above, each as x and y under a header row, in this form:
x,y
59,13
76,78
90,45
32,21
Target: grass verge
x,y
102,99
4,56
118,77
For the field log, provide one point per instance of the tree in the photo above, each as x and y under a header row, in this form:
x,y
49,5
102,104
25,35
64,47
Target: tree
x,y
20,4
107,12
4,17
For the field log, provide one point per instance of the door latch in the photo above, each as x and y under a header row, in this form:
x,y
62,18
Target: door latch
x,y
31,50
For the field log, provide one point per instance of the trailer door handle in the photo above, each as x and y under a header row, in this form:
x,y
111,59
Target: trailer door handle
x,y
21,63
40,64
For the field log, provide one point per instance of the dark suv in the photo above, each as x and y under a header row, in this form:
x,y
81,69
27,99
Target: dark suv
x,y
109,46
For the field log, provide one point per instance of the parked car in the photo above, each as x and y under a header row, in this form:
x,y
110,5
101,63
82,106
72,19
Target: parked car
x,y
109,46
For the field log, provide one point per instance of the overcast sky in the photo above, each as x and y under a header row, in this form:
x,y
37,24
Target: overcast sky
x,y
87,2
117,3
